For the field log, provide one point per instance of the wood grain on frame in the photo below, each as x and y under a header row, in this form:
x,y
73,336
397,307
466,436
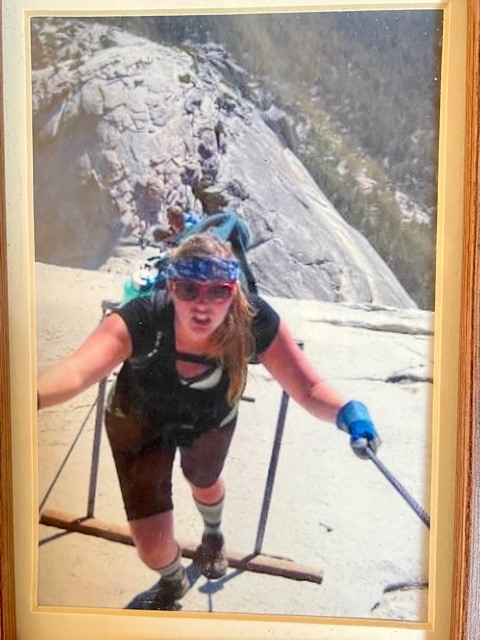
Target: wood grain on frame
x,y
465,624
7,596
465,619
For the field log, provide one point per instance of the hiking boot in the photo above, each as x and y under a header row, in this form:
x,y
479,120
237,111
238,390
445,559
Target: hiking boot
x,y
209,556
168,592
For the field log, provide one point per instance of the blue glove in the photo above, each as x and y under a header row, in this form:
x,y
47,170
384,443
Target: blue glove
x,y
355,420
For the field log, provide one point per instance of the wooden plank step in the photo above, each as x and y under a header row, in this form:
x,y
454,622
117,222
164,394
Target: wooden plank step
x,y
259,563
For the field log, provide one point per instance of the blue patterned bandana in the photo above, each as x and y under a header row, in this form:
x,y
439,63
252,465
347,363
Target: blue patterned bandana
x,y
204,269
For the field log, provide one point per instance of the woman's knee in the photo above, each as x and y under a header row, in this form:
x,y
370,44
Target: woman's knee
x,y
203,463
154,539
209,495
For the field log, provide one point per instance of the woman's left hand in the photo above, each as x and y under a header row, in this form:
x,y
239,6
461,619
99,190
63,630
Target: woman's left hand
x,y
355,420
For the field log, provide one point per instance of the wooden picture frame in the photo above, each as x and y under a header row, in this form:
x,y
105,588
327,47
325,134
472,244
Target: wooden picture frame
x,y
464,621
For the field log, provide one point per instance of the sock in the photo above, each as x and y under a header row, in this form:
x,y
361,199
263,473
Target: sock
x,y
212,516
174,571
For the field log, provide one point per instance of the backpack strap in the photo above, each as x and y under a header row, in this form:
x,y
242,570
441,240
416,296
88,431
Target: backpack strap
x,y
161,308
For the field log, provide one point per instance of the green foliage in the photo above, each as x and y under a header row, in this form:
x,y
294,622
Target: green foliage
x,y
371,207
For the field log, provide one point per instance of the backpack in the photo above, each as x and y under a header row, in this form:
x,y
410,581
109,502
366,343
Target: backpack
x,y
226,226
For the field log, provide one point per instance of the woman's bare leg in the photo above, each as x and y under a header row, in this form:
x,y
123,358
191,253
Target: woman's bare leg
x,y
154,539
157,547
202,465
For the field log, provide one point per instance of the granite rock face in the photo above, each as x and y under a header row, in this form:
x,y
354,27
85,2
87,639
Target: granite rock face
x,y
123,127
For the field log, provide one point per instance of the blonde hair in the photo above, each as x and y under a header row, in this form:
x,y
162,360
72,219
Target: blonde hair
x,y
232,341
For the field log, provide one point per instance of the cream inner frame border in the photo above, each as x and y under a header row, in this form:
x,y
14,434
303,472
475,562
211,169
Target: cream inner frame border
x,y
50,623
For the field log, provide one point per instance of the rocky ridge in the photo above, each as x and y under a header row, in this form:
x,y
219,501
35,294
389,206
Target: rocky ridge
x,y
128,126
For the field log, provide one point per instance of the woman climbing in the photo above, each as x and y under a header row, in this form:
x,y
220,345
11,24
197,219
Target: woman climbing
x,y
184,353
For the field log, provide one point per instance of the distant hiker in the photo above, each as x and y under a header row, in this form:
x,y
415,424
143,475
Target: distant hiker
x,y
138,229
141,233
175,219
184,353
178,221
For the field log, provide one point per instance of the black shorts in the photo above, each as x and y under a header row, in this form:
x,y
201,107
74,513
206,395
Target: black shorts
x,y
144,464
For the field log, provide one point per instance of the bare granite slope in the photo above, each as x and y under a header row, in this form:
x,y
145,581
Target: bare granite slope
x,y
123,127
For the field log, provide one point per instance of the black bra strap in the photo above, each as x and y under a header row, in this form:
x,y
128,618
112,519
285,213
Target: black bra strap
x,y
191,357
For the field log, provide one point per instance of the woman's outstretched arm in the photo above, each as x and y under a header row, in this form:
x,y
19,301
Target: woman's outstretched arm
x,y
102,351
288,364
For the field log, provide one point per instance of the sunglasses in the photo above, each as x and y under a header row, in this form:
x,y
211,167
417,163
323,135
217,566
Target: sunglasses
x,y
189,290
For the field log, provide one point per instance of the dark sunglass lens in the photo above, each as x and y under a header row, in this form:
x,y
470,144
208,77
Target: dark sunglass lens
x,y
186,290
219,292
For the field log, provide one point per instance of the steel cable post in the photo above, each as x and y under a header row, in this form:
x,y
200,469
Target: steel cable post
x,y
107,306
97,434
272,469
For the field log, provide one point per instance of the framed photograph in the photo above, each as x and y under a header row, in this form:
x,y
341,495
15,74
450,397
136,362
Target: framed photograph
x,y
332,149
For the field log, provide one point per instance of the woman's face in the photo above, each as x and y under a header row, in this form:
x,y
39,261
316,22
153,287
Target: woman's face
x,y
197,319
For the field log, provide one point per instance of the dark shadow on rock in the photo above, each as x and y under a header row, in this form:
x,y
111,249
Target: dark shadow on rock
x,y
149,601
212,586
53,537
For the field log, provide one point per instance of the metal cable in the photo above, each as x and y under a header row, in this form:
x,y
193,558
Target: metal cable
x,y
421,513
69,452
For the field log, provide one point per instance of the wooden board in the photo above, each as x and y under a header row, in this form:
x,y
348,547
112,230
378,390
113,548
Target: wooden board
x,y
258,563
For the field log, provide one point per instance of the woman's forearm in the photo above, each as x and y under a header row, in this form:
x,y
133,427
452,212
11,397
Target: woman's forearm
x,y
108,346
59,382
321,401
